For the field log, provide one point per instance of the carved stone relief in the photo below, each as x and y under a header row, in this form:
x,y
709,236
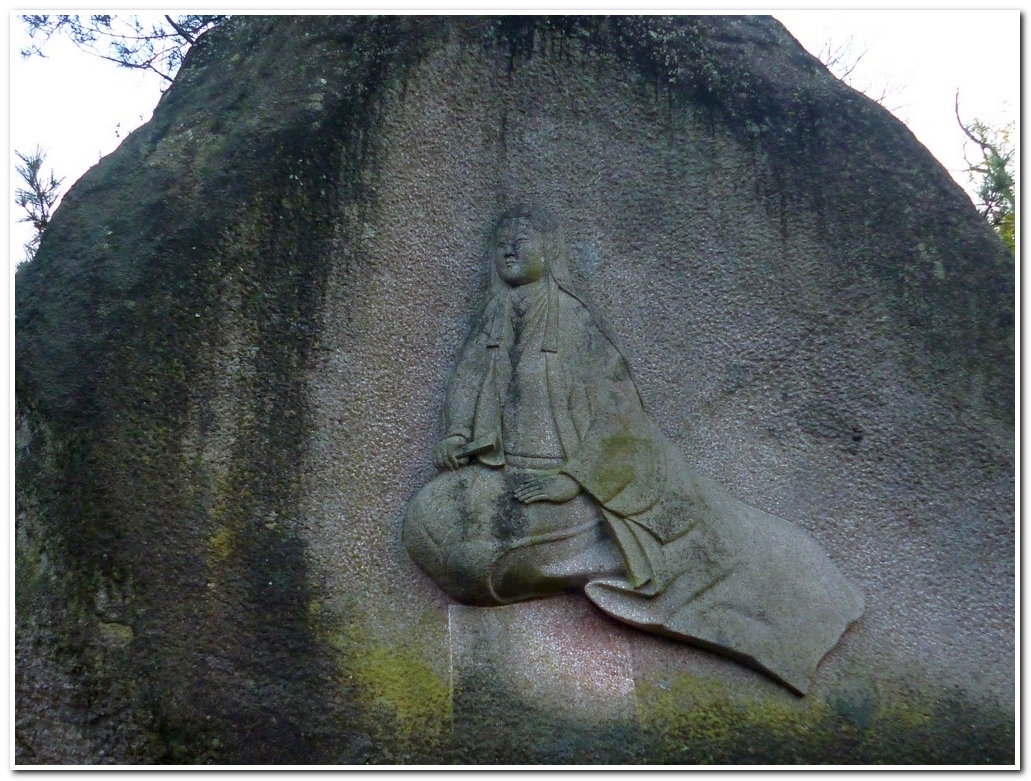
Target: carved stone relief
x,y
553,478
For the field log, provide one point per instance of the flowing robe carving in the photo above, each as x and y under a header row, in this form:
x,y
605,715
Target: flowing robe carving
x,y
698,565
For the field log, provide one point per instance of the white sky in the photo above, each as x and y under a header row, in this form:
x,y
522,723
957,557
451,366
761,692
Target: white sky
x,y
75,106
923,58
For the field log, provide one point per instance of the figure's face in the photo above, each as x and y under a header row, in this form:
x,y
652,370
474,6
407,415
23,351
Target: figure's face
x,y
519,253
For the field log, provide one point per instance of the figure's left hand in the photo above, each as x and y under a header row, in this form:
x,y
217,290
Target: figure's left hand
x,y
547,487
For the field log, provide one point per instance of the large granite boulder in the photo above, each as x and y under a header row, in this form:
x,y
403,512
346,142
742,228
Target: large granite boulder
x,y
233,346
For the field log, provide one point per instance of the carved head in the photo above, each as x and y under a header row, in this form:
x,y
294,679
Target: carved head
x,y
527,245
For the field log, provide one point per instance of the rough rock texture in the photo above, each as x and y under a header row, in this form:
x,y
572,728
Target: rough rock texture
x,y
231,355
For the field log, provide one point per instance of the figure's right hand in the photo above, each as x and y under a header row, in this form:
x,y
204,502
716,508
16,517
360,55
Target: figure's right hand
x,y
444,453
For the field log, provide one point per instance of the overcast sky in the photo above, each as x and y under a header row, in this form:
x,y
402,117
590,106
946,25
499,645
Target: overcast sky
x,y
78,107
922,58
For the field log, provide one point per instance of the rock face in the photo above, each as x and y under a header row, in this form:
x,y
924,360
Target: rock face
x,y
233,345
554,481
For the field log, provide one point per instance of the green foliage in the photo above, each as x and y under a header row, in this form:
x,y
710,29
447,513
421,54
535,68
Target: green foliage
x,y
991,173
38,196
128,41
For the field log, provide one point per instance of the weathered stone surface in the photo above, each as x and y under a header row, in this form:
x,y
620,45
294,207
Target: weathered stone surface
x,y
233,345
554,480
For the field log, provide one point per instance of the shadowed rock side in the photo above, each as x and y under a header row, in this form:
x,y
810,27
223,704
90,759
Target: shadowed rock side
x,y
235,340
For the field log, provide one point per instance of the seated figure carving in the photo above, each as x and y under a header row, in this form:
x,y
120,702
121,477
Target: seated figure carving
x,y
553,478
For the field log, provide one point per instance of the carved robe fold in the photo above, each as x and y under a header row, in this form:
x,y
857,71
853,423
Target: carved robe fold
x,y
700,565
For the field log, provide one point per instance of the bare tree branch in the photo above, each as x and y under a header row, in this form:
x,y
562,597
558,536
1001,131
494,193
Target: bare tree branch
x,y
124,40
189,38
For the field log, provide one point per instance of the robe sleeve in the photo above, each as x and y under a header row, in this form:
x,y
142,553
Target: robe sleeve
x,y
464,389
620,460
